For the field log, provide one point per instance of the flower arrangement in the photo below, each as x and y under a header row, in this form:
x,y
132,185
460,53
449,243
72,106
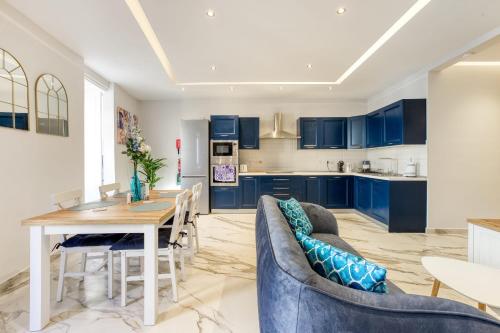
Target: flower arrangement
x,y
137,150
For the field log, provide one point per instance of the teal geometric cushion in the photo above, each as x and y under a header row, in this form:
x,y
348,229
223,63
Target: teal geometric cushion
x,y
343,267
295,215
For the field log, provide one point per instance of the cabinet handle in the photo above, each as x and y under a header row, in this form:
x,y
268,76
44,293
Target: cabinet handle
x,y
281,179
281,188
247,146
281,194
249,177
312,177
333,147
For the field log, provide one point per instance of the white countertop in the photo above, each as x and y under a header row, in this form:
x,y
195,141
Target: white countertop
x,y
332,173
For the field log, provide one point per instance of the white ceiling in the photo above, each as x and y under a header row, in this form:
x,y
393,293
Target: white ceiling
x,y
261,40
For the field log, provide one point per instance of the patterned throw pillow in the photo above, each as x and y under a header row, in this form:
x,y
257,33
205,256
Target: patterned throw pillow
x,y
295,215
343,267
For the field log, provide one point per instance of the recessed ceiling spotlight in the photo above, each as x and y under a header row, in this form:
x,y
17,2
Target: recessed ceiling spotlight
x,y
309,66
183,88
281,87
210,12
231,88
341,10
330,88
213,67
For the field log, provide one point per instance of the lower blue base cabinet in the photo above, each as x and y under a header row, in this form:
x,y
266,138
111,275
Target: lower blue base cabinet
x,y
336,191
401,205
249,192
224,197
312,190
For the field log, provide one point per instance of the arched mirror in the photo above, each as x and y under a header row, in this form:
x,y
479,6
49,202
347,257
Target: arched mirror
x,y
13,93
51,106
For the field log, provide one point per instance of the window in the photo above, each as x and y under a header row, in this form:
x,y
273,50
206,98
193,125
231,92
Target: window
x,y
13,93
51,106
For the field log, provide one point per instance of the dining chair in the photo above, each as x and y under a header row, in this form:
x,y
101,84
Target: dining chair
x,y
106,188
132,245
192,219
84,244
190,229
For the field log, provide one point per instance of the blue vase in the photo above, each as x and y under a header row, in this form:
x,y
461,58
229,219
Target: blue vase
x,y
135,187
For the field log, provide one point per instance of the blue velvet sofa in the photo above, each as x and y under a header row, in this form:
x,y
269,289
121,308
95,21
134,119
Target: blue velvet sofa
x,y
294,298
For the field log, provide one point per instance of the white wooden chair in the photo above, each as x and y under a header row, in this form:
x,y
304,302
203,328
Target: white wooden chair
x,y
105,189
83,244
132,245
192,219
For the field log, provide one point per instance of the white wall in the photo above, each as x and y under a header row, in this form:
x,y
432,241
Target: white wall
x,y
160,121
464,145
35,165
123,166
413,87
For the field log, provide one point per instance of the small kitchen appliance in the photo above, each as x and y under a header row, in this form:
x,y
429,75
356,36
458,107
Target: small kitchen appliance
x,y
243,168
366,166
411,169
340,166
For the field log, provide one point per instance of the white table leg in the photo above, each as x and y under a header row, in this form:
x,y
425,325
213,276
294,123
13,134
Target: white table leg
x,y
39,278
150,274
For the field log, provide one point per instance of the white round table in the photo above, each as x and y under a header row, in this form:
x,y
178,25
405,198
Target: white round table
x,y
478,282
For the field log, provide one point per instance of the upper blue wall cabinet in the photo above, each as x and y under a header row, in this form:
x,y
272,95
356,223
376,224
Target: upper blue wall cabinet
x,y
309,133
356,132
375,129
402,122
249,133
224,127
332,133
322,133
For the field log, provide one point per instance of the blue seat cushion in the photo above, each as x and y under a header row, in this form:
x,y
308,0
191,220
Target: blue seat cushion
x,y
81,240
171,221
343,267
136,241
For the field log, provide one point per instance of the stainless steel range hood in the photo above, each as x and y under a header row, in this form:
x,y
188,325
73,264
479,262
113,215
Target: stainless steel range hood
x,y
278,132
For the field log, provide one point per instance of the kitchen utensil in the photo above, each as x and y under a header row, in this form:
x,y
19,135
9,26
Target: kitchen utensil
x,y
243,168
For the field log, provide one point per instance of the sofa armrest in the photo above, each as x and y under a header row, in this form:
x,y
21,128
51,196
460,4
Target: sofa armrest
x,y
323,221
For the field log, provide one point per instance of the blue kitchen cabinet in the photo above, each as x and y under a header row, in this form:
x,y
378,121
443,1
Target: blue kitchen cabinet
x,y
332,133
279,187
312,189
249,133
362,194
356,132
374,129
249,192
309,133
380,200
336,191
393,124
298,188
224,197
224,127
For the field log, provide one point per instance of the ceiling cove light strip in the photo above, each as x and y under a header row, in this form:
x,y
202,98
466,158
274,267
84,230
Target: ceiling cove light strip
x,y
251,83
478,63
141,18
410,13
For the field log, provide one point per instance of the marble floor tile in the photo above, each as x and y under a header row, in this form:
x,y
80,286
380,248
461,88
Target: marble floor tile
x,y
219,294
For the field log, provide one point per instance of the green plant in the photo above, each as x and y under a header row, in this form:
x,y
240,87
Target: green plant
x,y
150,167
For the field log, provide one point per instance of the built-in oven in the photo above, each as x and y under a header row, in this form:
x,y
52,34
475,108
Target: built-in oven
x,y
224,175
223,151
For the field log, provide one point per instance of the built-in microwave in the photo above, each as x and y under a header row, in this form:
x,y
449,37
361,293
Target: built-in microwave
x,y
223,151
224,175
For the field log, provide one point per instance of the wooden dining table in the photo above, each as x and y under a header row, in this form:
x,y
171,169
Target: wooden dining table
x,y
111,219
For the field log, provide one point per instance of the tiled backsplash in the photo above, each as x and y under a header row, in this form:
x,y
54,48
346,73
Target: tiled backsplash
x,y
284,155
402,154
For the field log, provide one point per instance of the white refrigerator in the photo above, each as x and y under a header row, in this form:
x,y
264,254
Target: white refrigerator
x,y
195,158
